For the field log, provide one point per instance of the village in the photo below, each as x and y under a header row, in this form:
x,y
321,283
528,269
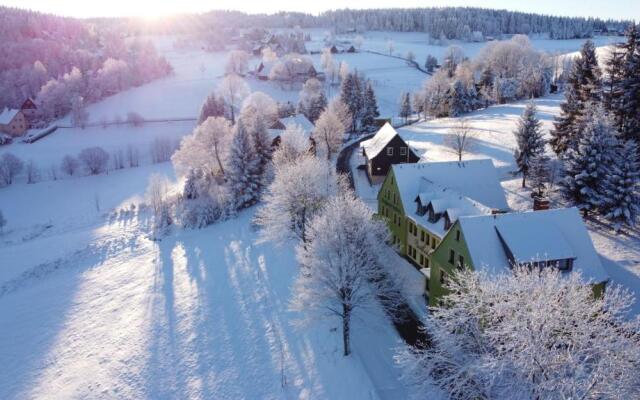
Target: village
x,y
362,204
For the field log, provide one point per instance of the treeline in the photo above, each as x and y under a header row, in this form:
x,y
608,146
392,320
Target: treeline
x,y
56,60
447,22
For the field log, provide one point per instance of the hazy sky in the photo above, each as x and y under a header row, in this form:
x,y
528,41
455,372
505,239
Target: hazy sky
x,y
627,9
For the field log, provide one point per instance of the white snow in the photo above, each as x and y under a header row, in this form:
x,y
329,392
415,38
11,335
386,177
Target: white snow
x,y
7,115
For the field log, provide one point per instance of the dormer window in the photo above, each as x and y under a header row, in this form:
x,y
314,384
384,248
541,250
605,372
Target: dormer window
x,y
447,221
389,151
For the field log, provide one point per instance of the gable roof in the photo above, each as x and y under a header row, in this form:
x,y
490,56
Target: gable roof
x,y
8,115
475,179
379,141
534,235
299,119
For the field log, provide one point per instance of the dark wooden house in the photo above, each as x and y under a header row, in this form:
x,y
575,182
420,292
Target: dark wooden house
x,y
385,149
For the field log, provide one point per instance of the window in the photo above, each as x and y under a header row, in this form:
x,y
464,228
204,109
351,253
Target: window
x,y
410,251
421,259
443,276
415,253
458,235
403,151
452,256
426,262
433,242
460,262
389,151
422,236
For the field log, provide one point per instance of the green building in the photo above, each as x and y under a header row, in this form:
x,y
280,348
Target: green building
x,y
495,243
422,201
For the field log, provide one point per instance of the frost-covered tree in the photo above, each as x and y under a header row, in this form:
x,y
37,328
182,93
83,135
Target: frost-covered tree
x,y
206,149
94,160
312,99
297,194
529,139
237,63
69,165
328,133
590,161
254,123
294,144
405,106
341,110
79,114
243,169
390,46
370,108
213,106
530,334
627,110
620,200
233,89
10,166
352,96
264,106
342,271
156,195
453,56
461,138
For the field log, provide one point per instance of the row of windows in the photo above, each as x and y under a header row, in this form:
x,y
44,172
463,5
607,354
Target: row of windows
x,y
403,151
452,258
418,257
393,199
424,236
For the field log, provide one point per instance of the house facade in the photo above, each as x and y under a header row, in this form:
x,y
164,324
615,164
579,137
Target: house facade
x,y
494,244
385,149
13,122
422,202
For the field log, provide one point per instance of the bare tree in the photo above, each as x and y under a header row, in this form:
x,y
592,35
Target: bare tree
x,y
33,174
233,89
461,138
118,159
53,172
161,150
390,46
10,166
94,160
133,156
237,63
69,165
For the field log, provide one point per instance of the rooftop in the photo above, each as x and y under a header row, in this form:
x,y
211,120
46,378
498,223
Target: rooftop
x,y
8,115
532,236
374,146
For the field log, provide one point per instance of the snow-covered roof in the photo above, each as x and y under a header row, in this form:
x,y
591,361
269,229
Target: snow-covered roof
x,y
300,120
475,179
531,236
444,200
379,141
8,115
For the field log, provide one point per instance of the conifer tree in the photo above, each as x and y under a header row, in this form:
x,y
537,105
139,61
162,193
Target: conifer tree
x,y
370,112
629,114
539,174
243,170
588,163
531,143
405,106
213,106
621,197
351,95
584,87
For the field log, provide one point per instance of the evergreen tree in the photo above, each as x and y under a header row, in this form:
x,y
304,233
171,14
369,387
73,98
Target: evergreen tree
x,y
539,174
629,113
243,170
457,99
351,95
529,138
370,112
589,162
621,197
405,106
213,106
431,63
584,87
612,86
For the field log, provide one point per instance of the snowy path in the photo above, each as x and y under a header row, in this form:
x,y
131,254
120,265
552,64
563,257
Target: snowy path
x,y
201,314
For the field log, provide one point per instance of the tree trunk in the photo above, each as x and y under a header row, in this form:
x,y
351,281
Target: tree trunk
x,y
218,159
346,321
459,156
524,178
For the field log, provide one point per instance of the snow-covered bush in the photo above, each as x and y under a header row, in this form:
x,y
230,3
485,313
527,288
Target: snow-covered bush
x,y
293,145
69,165
10,166
5,139
94,160
530,334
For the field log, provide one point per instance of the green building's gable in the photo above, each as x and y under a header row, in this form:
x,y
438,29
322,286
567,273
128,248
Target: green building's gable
x,y
453,244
